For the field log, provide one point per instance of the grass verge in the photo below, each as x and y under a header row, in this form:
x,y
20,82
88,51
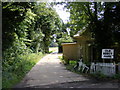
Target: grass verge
x,y
53,49
13,74
98,76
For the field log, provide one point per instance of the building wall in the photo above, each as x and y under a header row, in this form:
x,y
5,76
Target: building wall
x,y
85,49
79,49
75,51
71,51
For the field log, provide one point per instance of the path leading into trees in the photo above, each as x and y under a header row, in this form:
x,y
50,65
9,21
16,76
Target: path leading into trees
x,y
49,72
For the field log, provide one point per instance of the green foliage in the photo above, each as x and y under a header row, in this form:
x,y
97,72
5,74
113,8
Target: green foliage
x,y
53,44
79,17
27,28
70,65
99,76
60,57
102,77
13,15
116,76
32,23
64,61
64,39
15,69
101,19
48,22
73,63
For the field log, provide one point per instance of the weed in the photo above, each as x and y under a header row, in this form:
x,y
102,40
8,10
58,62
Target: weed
x,y
99,76
13,72
116,76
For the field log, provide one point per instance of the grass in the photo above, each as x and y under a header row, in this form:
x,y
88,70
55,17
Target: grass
x,y
99,76
14,74
69,66
53,49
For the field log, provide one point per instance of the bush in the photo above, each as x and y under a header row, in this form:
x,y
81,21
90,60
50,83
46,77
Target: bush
x,y
64,39
73,62
15,70
99,76
62,59
116,76
71,65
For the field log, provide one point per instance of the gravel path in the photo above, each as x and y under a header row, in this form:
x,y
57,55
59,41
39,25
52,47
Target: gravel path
x,y
50,73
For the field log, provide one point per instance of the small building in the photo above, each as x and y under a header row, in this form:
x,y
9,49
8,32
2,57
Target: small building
x,y
71,51
82,47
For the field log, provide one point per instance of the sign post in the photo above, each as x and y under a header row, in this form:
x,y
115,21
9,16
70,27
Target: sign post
x,y
107,54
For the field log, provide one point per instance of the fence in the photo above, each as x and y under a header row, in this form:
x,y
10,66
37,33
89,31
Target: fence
x,y
108,69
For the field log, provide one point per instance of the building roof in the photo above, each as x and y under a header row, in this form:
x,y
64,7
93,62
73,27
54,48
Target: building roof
x,y
68,43
81,32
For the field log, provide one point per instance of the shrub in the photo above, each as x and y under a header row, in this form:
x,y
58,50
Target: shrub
x,y
116,76
99,76
15,70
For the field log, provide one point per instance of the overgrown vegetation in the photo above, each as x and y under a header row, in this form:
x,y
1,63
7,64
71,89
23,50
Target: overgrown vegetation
x,y
28,29
100,18
99,76
15,70
63,38
69,66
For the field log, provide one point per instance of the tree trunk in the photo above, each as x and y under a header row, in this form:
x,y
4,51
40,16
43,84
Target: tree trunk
x,y
46,49
60,50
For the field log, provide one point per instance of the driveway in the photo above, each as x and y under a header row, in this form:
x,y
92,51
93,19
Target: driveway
x,y
50,73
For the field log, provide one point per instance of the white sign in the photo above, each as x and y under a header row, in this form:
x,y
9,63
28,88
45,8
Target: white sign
x,y
107,53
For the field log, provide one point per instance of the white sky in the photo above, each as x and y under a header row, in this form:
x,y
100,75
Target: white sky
x,y
62,13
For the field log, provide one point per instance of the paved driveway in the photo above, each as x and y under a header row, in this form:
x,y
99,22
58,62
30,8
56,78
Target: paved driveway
x,y
49,72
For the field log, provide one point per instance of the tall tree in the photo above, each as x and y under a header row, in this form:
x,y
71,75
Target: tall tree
x,y
99,18
48,22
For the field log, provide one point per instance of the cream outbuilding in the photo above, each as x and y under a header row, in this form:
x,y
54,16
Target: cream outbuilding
x,y
82,47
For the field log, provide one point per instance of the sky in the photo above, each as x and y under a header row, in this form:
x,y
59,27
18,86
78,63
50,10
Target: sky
x,y
64,15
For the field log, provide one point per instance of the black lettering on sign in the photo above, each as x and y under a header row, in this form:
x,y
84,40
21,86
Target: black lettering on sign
x,y
108,53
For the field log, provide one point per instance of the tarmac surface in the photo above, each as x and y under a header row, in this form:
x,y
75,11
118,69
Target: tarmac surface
x,y
50,73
